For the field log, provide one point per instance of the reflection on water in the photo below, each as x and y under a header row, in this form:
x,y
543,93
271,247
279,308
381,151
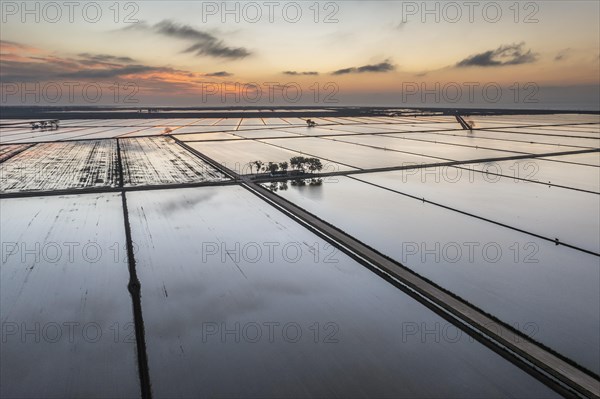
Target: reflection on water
x,y
514,276
311,187
298,318
171,207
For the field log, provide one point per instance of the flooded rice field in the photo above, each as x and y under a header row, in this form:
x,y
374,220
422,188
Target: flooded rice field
x,y
213,257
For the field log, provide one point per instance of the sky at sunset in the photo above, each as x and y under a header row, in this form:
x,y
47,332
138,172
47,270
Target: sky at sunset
x,y
542,54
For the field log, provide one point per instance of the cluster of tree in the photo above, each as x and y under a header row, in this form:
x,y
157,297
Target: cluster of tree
x,y
270,167
301,164
44,125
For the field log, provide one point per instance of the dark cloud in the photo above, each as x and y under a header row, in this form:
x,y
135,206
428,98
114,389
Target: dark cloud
x,y
205,43
382,67
219,74
385,66
511,54
344,71
218,50
22,71
7,44
113,72
26,68
401,25
34,65
170,28
562,55
24,64
105,58
295,73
